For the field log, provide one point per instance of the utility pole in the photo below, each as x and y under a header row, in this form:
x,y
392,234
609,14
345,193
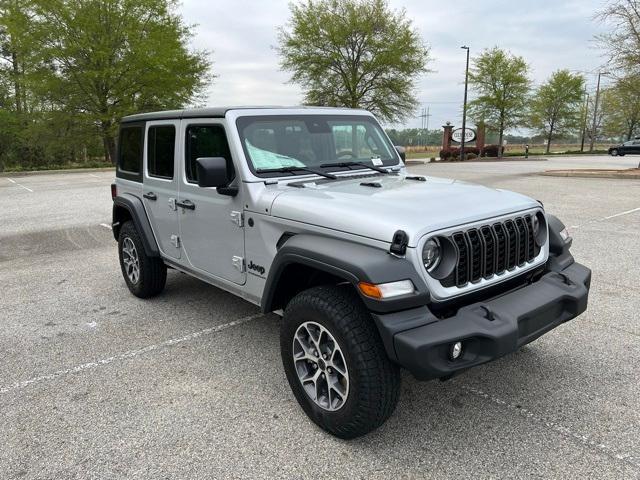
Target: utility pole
x,y
427,115
422,117
464,105
595,112
584,121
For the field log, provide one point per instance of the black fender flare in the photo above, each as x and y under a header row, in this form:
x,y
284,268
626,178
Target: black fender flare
x,y
559,255
351,262
134,206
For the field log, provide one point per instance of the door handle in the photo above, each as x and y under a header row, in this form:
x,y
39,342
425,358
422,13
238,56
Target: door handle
x,y
188,204
150,196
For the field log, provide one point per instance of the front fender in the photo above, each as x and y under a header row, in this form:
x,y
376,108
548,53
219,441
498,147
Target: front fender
x,y
349,261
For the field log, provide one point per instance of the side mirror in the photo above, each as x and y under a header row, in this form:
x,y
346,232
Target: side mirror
x,y
213,172
401,152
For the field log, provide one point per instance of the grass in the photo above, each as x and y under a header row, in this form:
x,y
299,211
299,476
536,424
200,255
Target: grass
x,y
91,163
515,150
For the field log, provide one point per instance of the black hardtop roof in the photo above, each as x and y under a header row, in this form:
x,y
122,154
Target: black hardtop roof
x,y
207,112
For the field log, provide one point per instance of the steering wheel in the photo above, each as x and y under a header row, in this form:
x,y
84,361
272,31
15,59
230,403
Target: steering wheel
x,y
347,154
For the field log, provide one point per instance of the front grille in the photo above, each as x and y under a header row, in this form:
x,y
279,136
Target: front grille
x,y
492,249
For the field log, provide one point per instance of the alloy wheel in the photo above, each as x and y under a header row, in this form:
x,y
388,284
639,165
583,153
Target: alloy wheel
x,y
131,260
321,366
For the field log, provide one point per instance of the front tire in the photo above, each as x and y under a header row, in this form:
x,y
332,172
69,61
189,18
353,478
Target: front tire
x,y
335,362
145,276
614,152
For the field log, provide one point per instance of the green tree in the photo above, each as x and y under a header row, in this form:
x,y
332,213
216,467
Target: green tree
x,y
354,53
556,106
622,38
501,83
110,58
621,107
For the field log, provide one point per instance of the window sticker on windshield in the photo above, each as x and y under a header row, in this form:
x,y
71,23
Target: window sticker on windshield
x,y
376,161
264,159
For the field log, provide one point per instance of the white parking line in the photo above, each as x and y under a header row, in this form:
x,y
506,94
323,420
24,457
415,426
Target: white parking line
x,y
626,212
19,185
106,225
623,213
94,176
127,355
564,431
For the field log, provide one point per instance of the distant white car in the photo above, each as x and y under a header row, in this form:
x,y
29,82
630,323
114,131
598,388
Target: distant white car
x,y
310,212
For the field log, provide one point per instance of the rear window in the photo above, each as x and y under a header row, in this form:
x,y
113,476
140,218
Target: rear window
x,y
161,143
130,149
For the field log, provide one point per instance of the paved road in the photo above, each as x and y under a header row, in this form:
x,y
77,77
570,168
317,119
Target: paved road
x,y
95,383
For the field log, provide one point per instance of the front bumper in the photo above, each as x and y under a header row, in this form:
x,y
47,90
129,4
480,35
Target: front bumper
x,y
419,341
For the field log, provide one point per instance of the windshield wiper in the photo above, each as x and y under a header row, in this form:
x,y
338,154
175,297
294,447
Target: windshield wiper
x,y
354,164
296,169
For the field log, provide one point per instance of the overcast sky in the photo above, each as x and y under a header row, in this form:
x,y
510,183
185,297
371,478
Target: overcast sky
x,y
549,34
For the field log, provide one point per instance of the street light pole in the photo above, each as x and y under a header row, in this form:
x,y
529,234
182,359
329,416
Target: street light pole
x,y
584,122
595,112
464,105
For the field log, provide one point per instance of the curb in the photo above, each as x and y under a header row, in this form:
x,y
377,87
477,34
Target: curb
x,y
56,172
418,161
603,174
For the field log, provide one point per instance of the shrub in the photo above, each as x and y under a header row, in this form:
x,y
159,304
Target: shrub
x,y
471,156
453,154
490,151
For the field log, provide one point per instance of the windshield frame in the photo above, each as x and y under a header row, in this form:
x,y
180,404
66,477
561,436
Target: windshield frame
x,y
242,121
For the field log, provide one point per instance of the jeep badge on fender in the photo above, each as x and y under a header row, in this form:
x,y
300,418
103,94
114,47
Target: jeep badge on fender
x,y
372,269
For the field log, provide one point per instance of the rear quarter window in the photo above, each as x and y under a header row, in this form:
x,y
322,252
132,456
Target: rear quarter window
x,y
130,147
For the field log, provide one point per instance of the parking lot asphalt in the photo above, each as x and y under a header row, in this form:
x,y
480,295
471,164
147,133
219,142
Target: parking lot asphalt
x,y
95,383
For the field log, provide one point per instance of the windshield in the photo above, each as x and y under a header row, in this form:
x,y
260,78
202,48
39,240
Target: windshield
x,y
280,141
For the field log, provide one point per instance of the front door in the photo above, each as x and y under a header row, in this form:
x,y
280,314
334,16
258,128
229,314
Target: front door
x,y
211,227
161,183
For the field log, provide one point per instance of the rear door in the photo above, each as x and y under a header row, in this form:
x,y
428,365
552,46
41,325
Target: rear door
x,y
635,147
161,183
211,229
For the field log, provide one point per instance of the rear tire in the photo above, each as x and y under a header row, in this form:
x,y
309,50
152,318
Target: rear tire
x,y
365,384
614,152
145,276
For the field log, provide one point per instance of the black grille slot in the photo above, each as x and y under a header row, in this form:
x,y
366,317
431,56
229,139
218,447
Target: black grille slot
x,y
502,248
462,268
476,254
490,242
523,236
512,236
491,250
533,248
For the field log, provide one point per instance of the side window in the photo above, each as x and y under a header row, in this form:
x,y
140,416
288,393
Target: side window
x,y
130,149
161,142
206,141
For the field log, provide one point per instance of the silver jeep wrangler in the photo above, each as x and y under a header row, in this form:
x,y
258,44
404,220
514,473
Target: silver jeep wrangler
x,y
310,213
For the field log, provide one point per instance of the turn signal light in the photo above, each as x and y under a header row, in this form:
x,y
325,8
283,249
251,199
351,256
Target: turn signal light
x,y
386,290
114,191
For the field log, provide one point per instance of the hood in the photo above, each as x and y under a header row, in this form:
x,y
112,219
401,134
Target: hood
x,y
399,203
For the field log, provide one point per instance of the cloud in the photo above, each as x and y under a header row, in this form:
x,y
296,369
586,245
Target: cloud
x,y
549,34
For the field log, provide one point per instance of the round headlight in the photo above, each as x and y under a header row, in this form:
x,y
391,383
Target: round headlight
x,y
431,253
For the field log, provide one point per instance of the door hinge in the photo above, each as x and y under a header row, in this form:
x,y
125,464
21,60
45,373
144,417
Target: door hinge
x,y
238,263
175,241
237,218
